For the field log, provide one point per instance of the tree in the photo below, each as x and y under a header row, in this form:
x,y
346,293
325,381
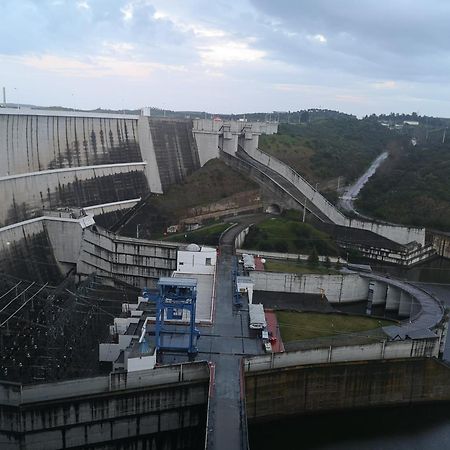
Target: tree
x,y
313,258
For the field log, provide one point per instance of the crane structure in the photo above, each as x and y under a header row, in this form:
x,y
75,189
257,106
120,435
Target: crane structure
x,y
175,306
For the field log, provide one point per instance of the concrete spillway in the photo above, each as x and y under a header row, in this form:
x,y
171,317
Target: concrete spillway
x,y
32,143
175,149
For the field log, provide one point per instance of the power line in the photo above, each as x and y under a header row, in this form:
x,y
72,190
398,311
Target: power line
x,y
6,293
20,307
18,295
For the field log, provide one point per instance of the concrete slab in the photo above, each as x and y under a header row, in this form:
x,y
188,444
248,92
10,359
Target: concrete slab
x,y
205,283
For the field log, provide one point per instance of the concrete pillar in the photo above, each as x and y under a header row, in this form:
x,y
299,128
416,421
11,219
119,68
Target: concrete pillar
x,y
379,293
392,298
229,142
370,298
249,141
404,308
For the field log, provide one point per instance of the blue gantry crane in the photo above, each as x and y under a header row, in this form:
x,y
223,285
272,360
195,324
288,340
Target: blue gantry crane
x,y
176,302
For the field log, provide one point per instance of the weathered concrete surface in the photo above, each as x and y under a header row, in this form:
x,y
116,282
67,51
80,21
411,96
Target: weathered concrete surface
x,y
175,149
51,159
164,407
441,242
337,288
276,393
24,196
137,262
32,143
27,252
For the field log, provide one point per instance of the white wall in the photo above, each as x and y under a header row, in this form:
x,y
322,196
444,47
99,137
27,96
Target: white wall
x,y
337,288
141,363
195,262
207,145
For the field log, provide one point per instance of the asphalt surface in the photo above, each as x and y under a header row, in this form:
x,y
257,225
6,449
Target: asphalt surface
x,y
228,342
442,293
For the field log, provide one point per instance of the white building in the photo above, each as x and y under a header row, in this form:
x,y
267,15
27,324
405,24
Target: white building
x,y
197,260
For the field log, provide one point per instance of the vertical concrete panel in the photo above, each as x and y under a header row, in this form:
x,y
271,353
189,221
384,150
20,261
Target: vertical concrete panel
x,y
148,155
208,146
392,298
379,293
175,149
405,304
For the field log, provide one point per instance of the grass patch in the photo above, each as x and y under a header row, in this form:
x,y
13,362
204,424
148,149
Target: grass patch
x,y
273,265
203,236
284,235
296,326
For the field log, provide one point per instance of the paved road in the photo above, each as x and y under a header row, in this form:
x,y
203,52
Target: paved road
x,y
351,193
442,293
229,340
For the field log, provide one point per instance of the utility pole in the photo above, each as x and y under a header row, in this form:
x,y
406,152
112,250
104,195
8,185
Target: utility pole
x,y
304,210
443,136
4,95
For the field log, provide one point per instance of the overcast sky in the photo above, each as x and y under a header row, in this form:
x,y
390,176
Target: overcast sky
x,y
357,56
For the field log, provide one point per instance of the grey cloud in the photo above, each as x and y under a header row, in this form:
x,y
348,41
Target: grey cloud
x,y
378,38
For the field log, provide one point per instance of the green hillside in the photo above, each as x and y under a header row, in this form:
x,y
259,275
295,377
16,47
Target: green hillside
x,y
412,187
324,150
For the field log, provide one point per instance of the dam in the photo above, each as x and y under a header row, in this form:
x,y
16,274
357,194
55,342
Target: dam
x,y
61,171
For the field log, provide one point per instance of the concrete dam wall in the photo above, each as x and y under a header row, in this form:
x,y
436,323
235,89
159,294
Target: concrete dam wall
x,y
27,252
32,143
65,159
272,394
175,149
25,196
57,159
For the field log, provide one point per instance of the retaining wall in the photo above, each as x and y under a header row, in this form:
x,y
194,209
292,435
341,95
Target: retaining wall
x,y
272,394
337,288
165,407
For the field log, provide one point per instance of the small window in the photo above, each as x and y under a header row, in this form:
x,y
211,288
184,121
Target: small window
x,y
208,261
180,263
